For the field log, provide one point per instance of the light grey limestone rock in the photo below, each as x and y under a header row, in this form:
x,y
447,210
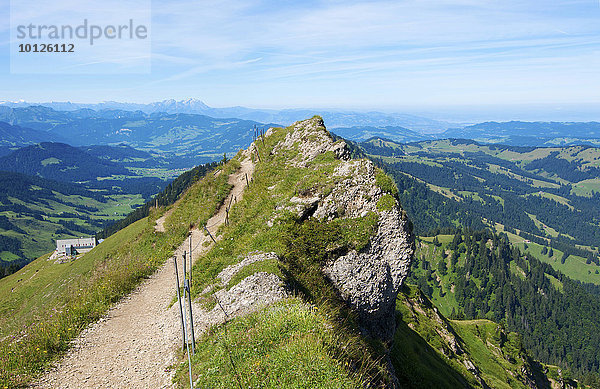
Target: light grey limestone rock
x,y
312,139
249,295
369,280
227,274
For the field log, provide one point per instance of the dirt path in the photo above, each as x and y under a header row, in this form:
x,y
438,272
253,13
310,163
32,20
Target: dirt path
x,y
134,345
160,222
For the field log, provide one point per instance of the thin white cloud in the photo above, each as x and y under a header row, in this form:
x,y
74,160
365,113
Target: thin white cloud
x,y
202,69
429,48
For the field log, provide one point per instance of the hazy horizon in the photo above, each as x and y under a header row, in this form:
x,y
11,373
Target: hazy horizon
x,y
353,55
454,114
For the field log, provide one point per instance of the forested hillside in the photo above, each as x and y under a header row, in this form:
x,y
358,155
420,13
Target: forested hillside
x,y
523,243
165,198
480,275
34,212
523,191
60,162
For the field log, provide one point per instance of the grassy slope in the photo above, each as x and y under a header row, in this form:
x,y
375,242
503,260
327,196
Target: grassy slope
x,y
285,346
574,267
45,305
424,357
41,235
446,302
42,283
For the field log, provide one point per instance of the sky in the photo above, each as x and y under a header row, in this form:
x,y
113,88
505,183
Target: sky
x,y
385,55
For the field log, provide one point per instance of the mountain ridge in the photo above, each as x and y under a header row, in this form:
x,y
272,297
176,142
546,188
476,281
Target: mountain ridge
x,y
325,227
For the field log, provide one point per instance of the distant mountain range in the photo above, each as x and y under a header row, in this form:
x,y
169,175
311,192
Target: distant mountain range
x,y
16,135
530,133
186,133
199,137
333,118
397,134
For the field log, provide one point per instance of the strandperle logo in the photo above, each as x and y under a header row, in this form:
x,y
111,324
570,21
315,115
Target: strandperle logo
x,y
80,36
83,31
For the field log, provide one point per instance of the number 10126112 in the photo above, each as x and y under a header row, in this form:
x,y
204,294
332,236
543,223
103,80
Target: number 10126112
x,y
46,48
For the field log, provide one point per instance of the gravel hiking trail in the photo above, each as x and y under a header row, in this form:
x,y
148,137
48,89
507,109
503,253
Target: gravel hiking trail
x,y
135,344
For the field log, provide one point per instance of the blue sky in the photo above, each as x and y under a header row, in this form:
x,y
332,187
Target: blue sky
x,y
386,55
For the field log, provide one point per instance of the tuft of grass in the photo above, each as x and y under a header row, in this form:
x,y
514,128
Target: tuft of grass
x,y
385,183
319,241
386,202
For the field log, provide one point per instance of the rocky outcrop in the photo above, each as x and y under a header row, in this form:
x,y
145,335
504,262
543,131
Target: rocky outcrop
x,y
311,139
227,274
249,295
368,280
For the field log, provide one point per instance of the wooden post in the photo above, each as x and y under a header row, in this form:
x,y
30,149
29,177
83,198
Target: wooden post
x,y
184,272
257,153
247,182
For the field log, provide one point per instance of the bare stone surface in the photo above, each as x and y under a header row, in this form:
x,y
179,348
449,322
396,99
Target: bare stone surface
x,y
312,139
227,274
249,295
303,206
355,195
370,280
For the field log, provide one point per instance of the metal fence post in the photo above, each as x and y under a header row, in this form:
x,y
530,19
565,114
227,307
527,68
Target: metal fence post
x,y
190,259
189,295
179,301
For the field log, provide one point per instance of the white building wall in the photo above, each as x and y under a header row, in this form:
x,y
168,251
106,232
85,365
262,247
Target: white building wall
x,y
61,244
